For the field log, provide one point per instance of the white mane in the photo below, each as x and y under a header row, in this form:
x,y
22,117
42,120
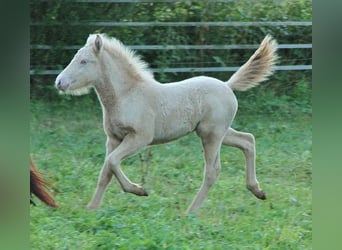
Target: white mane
x,y
128,56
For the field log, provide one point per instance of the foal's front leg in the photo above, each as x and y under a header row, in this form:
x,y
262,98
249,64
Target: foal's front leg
x,y
131,144
105,176
246,143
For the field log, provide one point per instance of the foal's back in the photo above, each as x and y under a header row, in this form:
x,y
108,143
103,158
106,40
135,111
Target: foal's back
x,y
184,105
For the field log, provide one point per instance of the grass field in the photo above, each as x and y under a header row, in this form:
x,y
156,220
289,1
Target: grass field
x,y
67,145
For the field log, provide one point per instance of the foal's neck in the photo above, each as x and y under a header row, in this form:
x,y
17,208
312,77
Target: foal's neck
x,y
118,79
110,90
106,94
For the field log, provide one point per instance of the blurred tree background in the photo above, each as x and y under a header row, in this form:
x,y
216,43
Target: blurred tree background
x,y
59,28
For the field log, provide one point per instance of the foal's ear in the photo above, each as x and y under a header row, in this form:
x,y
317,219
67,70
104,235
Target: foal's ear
x,y
98,43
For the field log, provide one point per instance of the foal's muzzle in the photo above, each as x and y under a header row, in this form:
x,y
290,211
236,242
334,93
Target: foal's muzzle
x,y
60,85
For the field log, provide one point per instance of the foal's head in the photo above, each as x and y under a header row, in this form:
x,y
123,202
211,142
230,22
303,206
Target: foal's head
x,y
83,72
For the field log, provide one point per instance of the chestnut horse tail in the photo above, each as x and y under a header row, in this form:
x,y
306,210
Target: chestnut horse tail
x,y
38,187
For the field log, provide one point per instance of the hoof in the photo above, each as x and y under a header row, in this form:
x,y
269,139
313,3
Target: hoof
x,y
93,208
140,192
144,193
261,195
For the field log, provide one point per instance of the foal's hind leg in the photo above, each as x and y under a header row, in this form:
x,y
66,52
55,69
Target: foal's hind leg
x,y
246,143
211,146
104,178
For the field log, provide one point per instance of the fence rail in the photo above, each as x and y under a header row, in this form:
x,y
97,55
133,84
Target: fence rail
x,y
178,24
180,70
167,47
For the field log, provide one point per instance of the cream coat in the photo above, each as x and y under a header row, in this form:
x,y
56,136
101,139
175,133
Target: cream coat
x,y
139,111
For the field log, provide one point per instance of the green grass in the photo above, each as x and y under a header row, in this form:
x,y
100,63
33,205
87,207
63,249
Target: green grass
x,y
67,145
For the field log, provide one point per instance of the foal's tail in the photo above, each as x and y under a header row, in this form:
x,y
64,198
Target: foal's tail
x,y
258,68
38,185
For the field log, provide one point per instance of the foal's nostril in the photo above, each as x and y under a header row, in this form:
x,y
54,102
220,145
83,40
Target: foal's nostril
x,y
58,84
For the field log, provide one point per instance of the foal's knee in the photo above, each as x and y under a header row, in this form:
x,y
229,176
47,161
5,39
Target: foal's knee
x,y
249,145
250,138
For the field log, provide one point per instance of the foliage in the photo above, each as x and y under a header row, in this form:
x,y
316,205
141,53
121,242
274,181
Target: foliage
x,y
67,145
61,23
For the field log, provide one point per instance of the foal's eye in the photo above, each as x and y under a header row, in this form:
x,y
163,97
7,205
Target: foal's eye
x,y
83,62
